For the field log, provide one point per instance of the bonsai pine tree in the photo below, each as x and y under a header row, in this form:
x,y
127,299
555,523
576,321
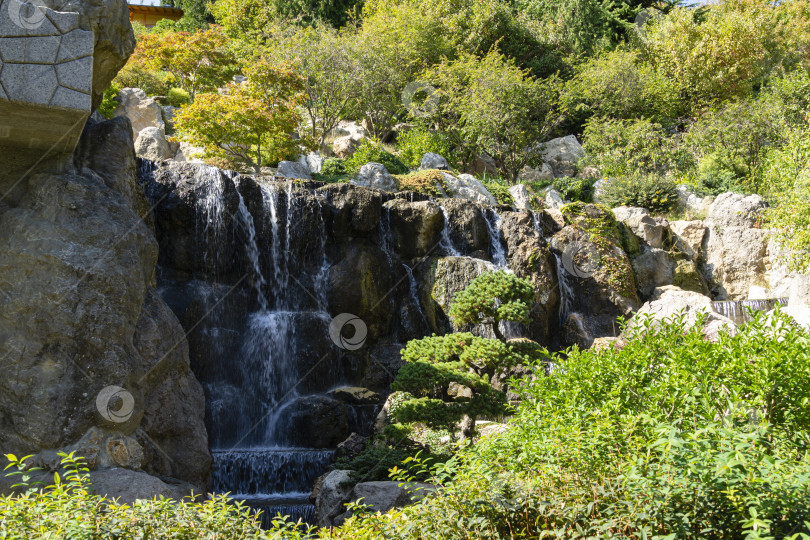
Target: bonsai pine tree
x,y
491,298
448,379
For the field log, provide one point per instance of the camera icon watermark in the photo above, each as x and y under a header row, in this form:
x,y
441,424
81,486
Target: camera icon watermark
x,y
28,14
115,404
580,259
424,107
338,330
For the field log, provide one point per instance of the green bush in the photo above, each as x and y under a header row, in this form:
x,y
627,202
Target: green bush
x,y
108,103
370,152
653,192
415,143
672,436
575,189
625,147
66,509
333,167
178,97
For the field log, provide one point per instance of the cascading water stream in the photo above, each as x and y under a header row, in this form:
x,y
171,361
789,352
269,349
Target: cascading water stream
x,y
738,311
493,220
446,242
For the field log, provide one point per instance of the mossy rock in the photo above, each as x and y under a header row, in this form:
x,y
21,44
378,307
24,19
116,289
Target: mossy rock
x,y
687,277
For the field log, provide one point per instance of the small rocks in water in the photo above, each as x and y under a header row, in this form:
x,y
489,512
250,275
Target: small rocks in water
x,y
434,161
293,169
375,175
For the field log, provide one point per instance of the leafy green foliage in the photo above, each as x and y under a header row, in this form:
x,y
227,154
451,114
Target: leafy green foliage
x,y
575,189
108,103
430,182
671,437
178,97
333,167
371,152
623,147
653,192
197,61
249,125
414,143
491,298
66,509
490,105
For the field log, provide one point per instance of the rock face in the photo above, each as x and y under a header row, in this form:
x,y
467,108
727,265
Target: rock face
x,y
418,226
597,280
56,59
734,248
79,314
333,491
375,175
523,201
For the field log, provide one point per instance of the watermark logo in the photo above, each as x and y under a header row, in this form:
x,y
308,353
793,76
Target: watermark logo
x,y
580,260
344,324
28,15
115,404
420,99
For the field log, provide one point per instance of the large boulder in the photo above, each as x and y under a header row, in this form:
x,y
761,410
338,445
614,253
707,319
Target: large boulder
x,y
312,161
151,144
800,291
522,197
449,276
562,155
143,112
735,247
465,186
344,147
670,302
642,224
688,237
538,174
531,258
433,161
293,169
653,268
417,226
375,175
355,209
85,341
333,490
383,496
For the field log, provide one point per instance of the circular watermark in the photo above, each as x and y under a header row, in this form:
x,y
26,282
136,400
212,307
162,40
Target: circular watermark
x,y
115,404
580,259
28,15
424,107
338,327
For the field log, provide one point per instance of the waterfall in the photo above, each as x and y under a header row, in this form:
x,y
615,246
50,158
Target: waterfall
x,y
493,220
252,249
446,242
414,290
740,311
566,290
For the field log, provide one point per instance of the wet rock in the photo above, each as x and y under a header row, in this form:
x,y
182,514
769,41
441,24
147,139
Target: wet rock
x,y
467,226
417,226
355,395
352,446
356,209
317,422
448,277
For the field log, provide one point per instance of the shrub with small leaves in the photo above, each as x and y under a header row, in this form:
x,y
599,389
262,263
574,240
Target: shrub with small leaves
x,y
333,167
371,152
575,189
655,193
413,144
178,97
